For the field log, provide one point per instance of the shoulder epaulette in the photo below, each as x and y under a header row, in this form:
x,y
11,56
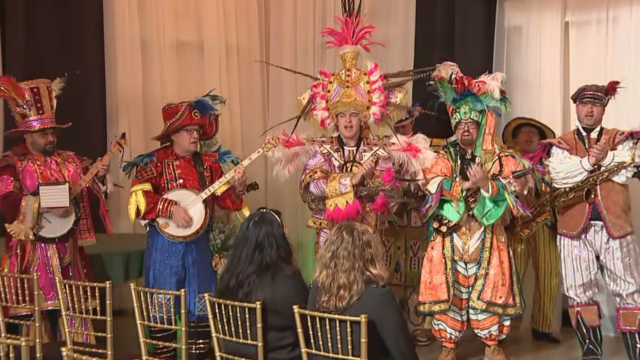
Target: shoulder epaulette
x,y
139,163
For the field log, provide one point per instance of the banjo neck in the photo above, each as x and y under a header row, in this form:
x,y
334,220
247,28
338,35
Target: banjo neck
x,y
115,147
228,176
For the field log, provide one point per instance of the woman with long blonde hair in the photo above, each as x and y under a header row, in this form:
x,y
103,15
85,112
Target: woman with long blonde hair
x,y
350,279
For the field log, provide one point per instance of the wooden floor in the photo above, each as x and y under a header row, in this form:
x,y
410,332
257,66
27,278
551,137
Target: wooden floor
x,y
517,347
522,347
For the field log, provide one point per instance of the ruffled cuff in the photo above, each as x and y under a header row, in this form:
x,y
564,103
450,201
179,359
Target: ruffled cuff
x,y
341,203
165,208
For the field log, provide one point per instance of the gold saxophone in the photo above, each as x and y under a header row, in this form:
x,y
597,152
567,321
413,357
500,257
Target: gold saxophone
x,y
585,190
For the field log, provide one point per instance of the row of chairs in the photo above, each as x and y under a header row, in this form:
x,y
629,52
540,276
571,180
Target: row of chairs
x,y
158,310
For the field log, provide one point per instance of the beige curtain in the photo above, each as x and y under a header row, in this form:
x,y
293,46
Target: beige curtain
x,y
159,51
548,48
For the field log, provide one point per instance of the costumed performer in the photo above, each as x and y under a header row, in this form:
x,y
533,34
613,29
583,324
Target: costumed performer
x,y
468,272
23,169
591,164
173,264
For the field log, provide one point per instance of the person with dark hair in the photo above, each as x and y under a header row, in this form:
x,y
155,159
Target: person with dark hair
x,y
350,280
261,268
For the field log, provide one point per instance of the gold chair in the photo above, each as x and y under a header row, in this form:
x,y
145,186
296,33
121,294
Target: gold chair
x,y
156,310
223,328
317,322
19,294
81,301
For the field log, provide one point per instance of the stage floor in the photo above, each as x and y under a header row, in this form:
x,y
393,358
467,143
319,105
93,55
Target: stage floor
x,y
522,347
517,347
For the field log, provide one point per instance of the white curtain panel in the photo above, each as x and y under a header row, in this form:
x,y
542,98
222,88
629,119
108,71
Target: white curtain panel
x,y
160,51
549,48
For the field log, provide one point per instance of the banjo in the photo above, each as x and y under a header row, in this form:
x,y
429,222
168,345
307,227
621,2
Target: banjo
x,y
50,226
193,202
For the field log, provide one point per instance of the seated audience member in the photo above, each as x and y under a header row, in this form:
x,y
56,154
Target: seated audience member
x,y
261,268
350,280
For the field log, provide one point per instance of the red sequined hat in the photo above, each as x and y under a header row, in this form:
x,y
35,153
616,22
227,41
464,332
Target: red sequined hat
x,y
202,112
32,103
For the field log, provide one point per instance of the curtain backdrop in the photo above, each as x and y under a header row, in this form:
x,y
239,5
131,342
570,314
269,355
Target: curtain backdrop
x,y
49,39
548,48
461,31
172,50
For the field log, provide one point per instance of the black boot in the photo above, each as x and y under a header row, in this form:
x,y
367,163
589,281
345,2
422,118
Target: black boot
x,y
165,336
632,344
590,339
544,336
199,340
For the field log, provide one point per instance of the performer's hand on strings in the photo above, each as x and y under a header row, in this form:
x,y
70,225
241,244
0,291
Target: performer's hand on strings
x,y
103,168
599,152
181,217
241,178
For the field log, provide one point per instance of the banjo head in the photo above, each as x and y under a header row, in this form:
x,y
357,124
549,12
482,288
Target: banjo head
x,y
196,208
52,227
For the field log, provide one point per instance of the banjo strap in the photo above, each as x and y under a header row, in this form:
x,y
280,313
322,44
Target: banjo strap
x,y
197,161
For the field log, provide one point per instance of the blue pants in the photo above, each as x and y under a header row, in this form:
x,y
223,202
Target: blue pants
x,y
172,265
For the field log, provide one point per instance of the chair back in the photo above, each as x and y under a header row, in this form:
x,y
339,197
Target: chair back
x,y
80,302
156,311
231,321
322,328
20,305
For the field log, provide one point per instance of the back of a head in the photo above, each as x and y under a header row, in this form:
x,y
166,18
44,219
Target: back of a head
x,y
351,258
259,250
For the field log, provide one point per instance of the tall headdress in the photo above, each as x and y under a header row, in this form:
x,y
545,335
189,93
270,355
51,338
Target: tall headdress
x,y
202,112
481,100
32,103
380,98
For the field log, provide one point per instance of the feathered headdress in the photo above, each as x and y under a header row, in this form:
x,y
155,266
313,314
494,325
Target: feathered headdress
x,y
481,100
32,103
202,112
379,97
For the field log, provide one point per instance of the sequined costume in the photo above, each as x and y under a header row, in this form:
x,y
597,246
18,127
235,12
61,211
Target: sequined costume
x,y
169,264
33,104
539,246
468,274
597,235
328,164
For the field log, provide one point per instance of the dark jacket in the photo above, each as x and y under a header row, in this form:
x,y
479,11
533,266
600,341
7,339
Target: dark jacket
x,y
279,325
388,334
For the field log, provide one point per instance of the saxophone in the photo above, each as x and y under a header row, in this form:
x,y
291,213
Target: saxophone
x,y
585,190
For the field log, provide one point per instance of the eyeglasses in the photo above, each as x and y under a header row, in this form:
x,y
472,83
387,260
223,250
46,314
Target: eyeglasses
x,y
467,125
190,132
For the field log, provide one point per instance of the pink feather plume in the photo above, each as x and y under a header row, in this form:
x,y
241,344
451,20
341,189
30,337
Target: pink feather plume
x,y
381,205
11,89
352,211
350,31
290,141
389,178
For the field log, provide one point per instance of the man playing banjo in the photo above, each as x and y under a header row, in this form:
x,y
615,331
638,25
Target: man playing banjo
x,y
182,262
25,171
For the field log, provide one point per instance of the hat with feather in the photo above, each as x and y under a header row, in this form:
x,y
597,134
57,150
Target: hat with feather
x,y
481,100
32,103
379,97
202,112
599,94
